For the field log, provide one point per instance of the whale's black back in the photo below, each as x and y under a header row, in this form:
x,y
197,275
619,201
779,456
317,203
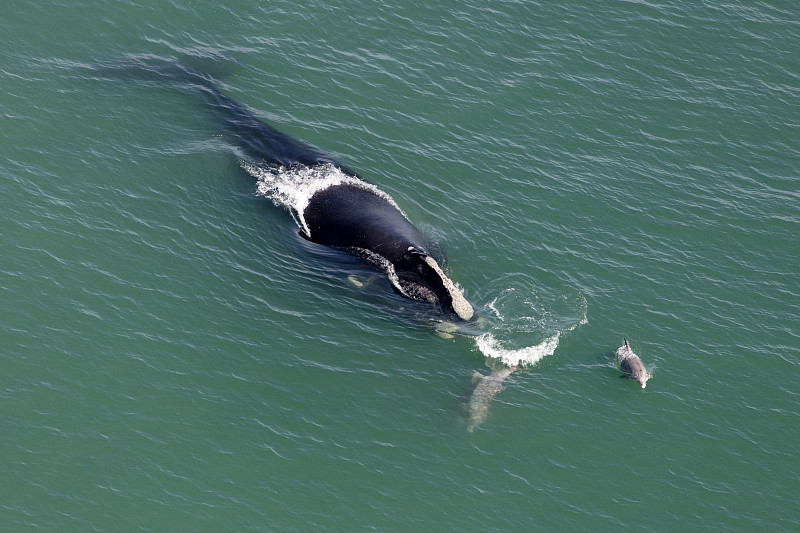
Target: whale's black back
x,y
347,215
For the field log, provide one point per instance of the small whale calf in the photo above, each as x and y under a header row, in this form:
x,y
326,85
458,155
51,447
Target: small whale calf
x,y
484,393
631,365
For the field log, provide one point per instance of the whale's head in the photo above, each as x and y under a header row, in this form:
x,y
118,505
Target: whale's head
x,y
420,277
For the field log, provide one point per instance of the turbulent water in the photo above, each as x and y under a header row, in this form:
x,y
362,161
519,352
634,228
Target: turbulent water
x,y
176,356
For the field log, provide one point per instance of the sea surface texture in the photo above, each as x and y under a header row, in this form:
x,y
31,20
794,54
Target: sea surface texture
x,y
175,356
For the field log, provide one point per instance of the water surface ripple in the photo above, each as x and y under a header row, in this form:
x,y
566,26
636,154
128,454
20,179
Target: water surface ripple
x,y
176,357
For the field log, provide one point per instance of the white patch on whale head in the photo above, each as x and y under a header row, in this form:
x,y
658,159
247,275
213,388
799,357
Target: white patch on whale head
x,y
460,304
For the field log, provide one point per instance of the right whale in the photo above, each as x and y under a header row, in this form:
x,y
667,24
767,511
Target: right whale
x,y
354,216
348,213
630,363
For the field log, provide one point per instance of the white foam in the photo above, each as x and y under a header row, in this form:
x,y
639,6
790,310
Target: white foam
x,y
528,356
518,317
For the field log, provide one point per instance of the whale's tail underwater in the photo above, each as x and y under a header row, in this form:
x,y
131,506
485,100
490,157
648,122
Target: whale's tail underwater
x,y
631,365
332,205
253,137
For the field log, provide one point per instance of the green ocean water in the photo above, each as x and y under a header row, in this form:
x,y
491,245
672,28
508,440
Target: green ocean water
x,y
175,357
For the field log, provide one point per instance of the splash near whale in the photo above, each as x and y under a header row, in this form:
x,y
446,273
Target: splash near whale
x,y
515,318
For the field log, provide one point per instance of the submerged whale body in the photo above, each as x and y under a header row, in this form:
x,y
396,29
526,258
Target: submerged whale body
x,y
346,214
484,393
